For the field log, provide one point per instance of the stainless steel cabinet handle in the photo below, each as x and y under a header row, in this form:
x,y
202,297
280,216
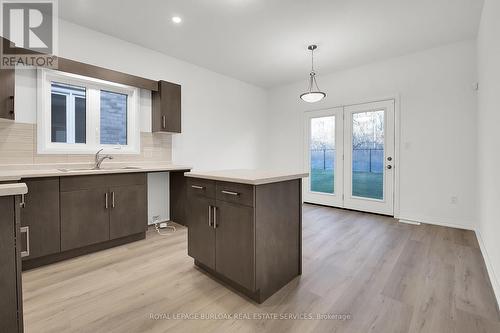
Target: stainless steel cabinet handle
x,y
23,201
230,193
215,218
26,230
112,199
163,122
106,200
10,103
197,187
209,216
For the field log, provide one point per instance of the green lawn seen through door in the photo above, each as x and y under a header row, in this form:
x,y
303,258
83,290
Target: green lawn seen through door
x,y
364,184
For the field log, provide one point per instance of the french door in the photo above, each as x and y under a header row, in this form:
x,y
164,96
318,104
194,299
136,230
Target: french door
x,y
350,156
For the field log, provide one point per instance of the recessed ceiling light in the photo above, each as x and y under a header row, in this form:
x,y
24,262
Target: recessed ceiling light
x,y
176,19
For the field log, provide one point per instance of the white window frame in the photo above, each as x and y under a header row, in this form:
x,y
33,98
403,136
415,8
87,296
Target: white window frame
x,y
93,111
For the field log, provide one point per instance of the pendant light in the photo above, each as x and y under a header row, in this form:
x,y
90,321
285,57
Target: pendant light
x,y
313,94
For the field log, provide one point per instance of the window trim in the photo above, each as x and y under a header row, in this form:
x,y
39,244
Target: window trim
x,y
93,87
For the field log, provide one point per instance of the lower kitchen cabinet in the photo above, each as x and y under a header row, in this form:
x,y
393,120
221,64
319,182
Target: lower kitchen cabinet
x,y
96,209
11,313
84,217
235,244
40,218
201,233
128,213
247,236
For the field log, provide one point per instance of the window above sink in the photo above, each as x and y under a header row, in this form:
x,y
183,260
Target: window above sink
x,y
80,115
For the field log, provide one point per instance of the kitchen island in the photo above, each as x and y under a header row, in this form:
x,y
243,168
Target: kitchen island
x,y
245,228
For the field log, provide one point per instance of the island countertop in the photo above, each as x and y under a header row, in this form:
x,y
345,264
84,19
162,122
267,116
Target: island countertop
x,y
248,176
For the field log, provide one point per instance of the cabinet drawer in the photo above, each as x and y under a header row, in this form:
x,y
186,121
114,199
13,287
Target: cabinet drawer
x,y
87,182
242,194
201,187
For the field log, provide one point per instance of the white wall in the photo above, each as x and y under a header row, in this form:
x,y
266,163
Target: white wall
x,y
221,117
489,139
438,126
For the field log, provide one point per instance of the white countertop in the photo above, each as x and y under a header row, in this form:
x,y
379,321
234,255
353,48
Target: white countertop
x,y
252,177
13,189
16,173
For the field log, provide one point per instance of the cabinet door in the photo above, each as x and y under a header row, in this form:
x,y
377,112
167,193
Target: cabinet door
x,y
7,82
41,215
235,246
84,218
8,273
128,210
201,234
166,114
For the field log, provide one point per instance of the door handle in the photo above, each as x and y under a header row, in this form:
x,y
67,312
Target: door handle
x,y
106,200
26,230
215,217
113,199
197,187
163,122
209,216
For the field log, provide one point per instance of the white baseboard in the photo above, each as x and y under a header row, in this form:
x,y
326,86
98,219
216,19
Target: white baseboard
x,y
489,267
444,222
409,222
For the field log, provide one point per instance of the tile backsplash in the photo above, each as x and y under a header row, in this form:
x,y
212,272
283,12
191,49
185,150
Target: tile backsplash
x,y
18,146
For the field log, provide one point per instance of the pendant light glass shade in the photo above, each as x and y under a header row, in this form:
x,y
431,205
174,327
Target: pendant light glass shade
x,y
313,94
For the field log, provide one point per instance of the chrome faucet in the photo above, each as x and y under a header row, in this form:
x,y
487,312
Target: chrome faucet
x,y
99,160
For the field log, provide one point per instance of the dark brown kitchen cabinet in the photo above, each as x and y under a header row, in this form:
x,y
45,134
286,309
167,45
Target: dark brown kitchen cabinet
x,y
234,246
7,86
247,236
96,209
128,210
84,217
166,115
201,234
40,218
11,313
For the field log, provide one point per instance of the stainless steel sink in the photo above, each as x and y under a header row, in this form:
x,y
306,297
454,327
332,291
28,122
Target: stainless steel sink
x,y
96,170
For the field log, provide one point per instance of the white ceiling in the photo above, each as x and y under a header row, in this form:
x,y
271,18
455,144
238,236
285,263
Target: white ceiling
x,y
264,41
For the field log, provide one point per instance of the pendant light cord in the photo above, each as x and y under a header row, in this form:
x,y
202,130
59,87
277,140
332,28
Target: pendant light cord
x,y
312,60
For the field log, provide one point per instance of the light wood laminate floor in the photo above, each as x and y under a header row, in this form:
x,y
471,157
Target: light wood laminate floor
x,y
389,277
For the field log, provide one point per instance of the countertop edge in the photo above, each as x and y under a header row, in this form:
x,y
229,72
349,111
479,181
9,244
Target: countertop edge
x,y
13,189
23,174
260,181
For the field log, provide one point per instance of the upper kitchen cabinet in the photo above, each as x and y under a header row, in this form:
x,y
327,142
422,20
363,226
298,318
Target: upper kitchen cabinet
x,y
167,108
7,86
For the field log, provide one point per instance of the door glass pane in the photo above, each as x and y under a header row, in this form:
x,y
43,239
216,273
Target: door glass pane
x,y
322,152
368,154
113,118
